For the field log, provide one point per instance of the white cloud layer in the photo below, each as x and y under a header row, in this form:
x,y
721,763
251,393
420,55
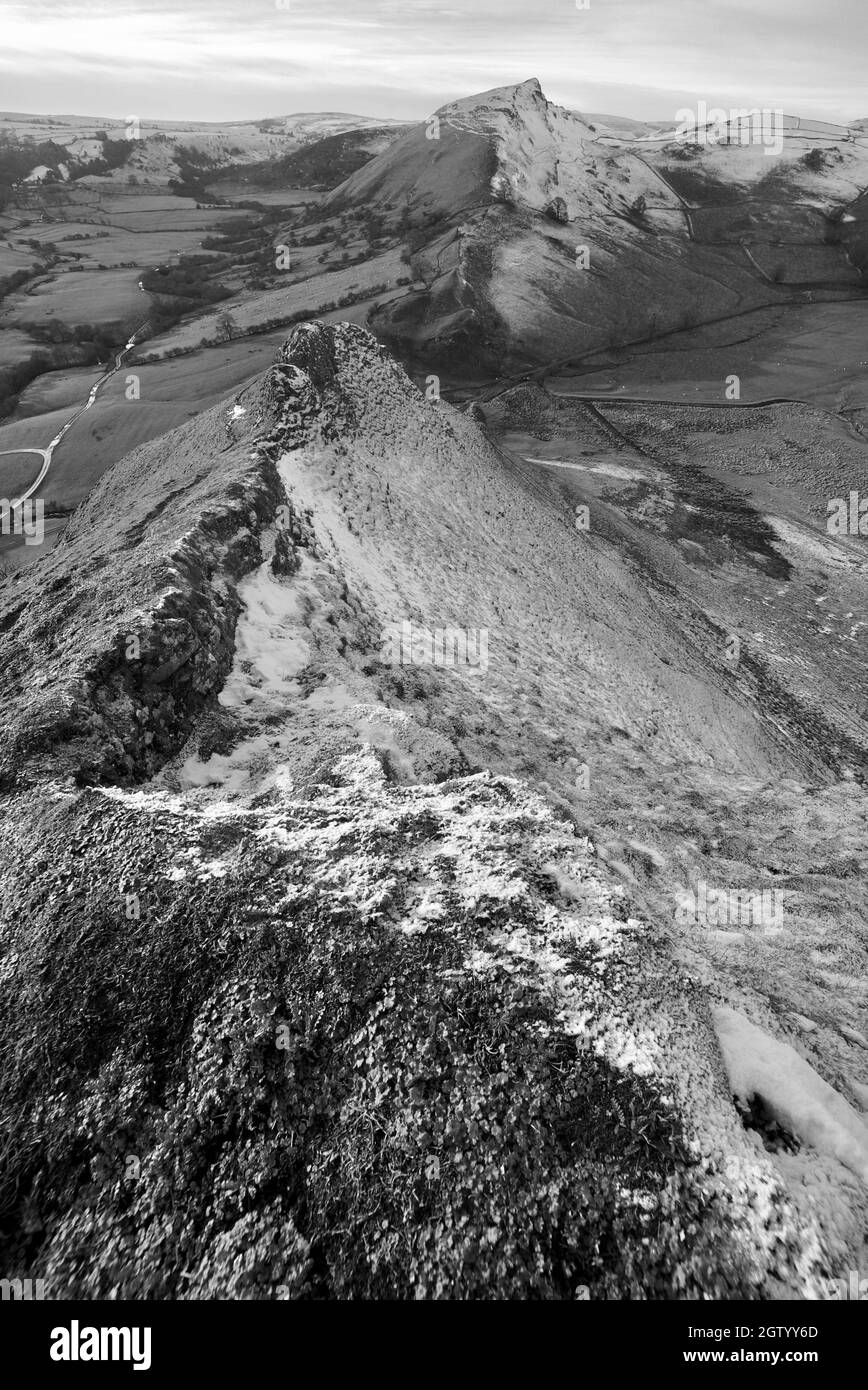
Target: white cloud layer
x,y
216,59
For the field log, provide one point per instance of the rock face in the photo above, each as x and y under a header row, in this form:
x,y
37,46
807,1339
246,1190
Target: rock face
x,y
557,210
337,1003
129,623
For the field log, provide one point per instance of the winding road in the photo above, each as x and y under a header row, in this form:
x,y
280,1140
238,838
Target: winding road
x,y
47,455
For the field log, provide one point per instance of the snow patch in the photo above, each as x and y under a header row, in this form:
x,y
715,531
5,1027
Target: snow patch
x,y
795,1095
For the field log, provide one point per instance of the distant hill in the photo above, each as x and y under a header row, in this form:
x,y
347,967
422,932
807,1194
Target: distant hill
x,y
323,163
71,147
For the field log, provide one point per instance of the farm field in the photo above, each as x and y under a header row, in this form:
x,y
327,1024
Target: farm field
x,y
814,352
309,296
101,296
17,472
14,346
268,197
12,260
90,211
110,246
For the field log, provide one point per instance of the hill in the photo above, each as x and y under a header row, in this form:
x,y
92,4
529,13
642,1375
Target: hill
x,y
541,235
323,163
64,148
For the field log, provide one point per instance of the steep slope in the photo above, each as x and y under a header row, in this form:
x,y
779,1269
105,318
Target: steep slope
x,y
337,1004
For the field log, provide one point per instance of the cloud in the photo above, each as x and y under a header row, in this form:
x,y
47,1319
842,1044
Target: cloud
x,y
221,58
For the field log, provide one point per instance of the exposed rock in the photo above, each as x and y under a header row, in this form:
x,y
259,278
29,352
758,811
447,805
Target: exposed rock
x,y
557,210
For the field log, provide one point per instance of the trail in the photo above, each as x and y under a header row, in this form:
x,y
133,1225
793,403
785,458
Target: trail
x,y
610,399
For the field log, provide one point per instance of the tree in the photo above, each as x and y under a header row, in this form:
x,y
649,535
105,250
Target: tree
x,y
227,328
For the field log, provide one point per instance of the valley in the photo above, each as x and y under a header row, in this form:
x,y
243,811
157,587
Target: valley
x,y
429,269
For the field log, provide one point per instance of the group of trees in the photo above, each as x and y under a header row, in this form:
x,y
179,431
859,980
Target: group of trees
x,y
194,168
188,282
115,154
176,290
20,155
10,283
323,164
13,379
99,339
233,232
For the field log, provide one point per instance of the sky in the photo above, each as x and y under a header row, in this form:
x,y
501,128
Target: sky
x,y
243,59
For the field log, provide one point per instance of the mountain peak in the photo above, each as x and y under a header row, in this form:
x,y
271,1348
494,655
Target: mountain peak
x,y
514,94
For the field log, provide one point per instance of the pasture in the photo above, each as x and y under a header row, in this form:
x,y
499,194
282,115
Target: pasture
x,y
99,296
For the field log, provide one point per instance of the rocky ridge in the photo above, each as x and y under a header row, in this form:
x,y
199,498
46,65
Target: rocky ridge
x,y
338,1004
